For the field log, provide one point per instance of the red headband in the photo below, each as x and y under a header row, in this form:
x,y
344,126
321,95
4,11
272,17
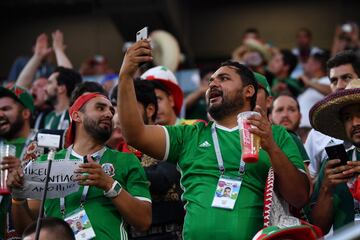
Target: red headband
x,y
77,105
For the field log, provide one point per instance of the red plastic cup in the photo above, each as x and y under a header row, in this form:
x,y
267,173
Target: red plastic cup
x,y
249,142
5,151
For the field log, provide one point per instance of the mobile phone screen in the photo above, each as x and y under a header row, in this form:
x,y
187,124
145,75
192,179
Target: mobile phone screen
x,y
142,34
337,152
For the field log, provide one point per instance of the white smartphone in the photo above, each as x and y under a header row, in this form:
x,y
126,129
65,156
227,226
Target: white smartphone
x,y
142,34
50,138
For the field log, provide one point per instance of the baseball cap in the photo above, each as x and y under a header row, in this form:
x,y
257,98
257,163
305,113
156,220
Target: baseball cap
x,y
263,83
167,78
20,94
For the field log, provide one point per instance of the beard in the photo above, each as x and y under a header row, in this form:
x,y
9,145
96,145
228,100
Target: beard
x,y
95,131
15,127
226,107
52,100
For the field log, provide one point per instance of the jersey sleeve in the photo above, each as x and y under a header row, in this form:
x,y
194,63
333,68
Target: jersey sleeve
x,y
174,142
289,147
136,182
301,148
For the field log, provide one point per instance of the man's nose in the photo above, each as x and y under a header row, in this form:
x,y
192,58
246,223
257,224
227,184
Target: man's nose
x,y
214,82
356,120
341,84
109,114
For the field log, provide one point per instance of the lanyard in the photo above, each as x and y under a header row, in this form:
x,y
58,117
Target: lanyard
x,y
219,158
62,118
86,188
38,120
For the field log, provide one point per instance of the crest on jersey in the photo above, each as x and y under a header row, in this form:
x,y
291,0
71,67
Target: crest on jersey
x,y
108,169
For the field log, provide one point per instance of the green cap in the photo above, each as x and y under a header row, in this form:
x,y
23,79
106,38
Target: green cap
x,y
263,83
19,94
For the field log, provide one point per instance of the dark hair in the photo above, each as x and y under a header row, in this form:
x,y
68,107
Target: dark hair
x,y
145,94
322,58
160,86
287,95
83,87
247,77
289,59
306,31
343,58
252,30
68,77
58,228
206,70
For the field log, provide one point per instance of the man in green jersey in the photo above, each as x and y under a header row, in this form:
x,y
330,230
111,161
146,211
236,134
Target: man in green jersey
x,y
16,108
115,186
232,89
59,88
281,65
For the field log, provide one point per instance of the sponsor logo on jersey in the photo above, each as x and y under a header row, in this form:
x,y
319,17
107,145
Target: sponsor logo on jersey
x,y
205,144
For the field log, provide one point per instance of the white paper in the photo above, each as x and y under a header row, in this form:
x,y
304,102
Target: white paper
x,y
61,182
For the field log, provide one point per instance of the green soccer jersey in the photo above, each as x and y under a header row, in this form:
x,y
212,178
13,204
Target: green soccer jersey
x,y
19,143
103,215
193,149
300,146
57,121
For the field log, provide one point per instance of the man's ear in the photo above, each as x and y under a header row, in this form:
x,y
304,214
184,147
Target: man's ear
x,y
61,89
249,91
171,100
269,101
286,69
26,114
76,116
150,111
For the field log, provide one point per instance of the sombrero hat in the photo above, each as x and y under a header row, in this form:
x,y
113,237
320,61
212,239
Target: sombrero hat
x,y
325,114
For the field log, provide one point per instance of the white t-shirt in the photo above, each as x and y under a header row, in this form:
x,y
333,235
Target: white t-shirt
x,y
308,98
315,147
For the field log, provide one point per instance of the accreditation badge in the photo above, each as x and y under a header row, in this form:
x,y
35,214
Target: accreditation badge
x,y
80,224
227,191
357,211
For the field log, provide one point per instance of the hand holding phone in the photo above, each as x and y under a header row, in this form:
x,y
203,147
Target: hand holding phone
x,y
337,152
141,35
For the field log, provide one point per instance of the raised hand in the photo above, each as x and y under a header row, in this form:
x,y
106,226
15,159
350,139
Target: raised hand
x,y
42,48
139,52
58,41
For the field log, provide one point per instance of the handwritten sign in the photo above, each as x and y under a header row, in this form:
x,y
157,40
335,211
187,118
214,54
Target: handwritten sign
x,y
61,181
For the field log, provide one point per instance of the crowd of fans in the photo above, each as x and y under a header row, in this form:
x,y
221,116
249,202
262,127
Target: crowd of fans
x,y
150,172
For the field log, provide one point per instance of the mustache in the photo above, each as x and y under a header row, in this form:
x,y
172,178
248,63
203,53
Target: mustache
x,y
355,129
3,120
106,121
215,92
285,119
